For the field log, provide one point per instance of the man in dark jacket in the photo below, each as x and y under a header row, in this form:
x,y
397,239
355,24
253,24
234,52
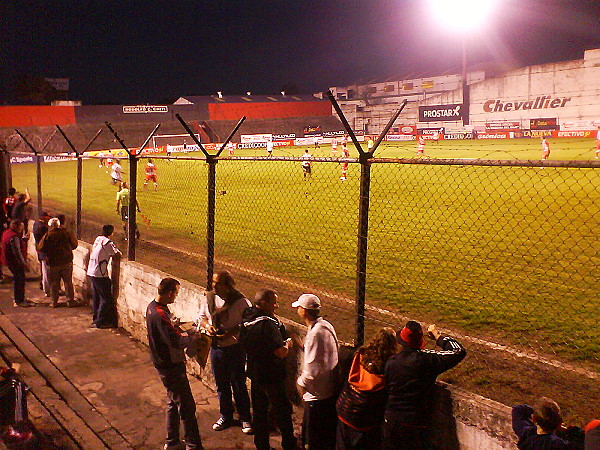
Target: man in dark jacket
x,y
410,379
20,209
262,336
13,256
58,245
167,344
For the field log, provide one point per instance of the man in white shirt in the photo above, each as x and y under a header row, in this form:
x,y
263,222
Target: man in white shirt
x,y
104,307
318,379
306,166
270,147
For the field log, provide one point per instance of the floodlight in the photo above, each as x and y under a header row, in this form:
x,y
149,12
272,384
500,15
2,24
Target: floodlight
x,y
220,94
283,93
462,16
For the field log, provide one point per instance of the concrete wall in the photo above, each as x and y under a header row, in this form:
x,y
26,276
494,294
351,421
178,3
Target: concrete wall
x,y
462,420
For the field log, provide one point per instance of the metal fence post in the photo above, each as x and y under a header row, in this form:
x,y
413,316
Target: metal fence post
x,y
132,222
361,252
210,220
38,169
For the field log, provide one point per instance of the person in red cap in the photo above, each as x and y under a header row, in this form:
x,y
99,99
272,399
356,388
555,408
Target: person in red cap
x,y
592,433
410,379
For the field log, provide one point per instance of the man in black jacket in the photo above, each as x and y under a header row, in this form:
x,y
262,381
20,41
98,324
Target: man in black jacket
x,y
410,380
262,336
167,344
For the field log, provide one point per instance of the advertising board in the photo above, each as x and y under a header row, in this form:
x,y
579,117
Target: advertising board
x,y
441,113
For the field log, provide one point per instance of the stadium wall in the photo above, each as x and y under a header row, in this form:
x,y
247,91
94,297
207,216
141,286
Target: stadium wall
x,y
234,111
461,420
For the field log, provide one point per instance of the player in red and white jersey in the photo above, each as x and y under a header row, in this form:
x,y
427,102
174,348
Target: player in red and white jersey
x,y
598,143
545,148
151,175
334,144
230,148
345,154
421,145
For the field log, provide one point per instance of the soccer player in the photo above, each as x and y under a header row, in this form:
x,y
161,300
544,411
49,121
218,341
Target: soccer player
x,y
598,143
230,148
116,174
421,145
370,144
317,142
151,175
270,147
109,161
545,148
436,136
306,169
334,144
345,154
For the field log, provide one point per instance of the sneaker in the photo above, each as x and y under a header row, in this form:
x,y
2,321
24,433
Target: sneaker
x,y
246,427
178,445
221,424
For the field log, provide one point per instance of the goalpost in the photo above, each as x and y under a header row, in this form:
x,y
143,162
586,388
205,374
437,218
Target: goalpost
x,y
175,143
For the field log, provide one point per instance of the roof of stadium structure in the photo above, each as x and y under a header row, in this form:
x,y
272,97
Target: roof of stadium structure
x,y
195,99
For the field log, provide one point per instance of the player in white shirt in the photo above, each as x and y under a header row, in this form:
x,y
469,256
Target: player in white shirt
x,y
306,168
270,147
334,144
116,174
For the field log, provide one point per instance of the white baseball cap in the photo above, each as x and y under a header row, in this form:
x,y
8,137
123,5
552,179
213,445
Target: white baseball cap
x,y
307,301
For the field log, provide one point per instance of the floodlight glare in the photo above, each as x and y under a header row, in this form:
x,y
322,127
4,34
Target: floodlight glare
x,y
462,16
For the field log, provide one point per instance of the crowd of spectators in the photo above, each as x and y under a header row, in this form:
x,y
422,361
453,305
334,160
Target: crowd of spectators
x,y
384,397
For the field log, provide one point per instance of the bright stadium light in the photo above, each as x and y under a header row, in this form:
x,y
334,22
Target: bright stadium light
x,y
462,16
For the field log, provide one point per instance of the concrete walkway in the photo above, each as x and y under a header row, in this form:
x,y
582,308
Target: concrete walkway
x,y
94,388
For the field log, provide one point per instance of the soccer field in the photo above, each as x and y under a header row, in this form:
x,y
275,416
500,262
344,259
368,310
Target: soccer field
x,y
505,253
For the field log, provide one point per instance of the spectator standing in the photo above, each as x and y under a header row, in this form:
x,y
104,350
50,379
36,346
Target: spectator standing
x,y
40,228
104,308
58,245
361,404
221,315
263,337
410,380
318,380
167,343
536,426
592,434
19,210
7,205
14,256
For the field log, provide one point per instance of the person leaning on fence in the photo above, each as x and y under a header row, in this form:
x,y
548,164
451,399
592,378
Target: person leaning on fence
x,y
221,315
58,245
40,228
541,427
318,380
104,308
263,337
410,380
14,256
361,403
20,210
167,342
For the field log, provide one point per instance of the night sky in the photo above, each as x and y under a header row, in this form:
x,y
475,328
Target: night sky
x,y
130,52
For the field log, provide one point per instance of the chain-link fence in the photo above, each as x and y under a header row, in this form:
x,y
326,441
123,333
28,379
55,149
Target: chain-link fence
x,y
502,254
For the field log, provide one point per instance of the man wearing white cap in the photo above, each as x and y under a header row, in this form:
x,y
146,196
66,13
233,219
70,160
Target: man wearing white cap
x,y
317,382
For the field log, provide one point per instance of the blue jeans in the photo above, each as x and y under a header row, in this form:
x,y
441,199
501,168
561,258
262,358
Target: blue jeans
x,y
180,407
104,307
228,365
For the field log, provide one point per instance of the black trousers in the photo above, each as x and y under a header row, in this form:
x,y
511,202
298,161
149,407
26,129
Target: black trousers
x,y
397,436
348,438
18,273
104,308
274,395
319,424
180,407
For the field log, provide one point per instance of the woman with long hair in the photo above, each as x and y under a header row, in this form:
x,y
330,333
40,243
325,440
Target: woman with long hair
x,y
361,404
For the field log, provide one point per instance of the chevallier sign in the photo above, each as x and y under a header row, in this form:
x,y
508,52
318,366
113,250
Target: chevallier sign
x,y
542,102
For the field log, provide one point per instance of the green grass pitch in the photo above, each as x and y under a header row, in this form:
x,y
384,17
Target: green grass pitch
x,y
505,253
